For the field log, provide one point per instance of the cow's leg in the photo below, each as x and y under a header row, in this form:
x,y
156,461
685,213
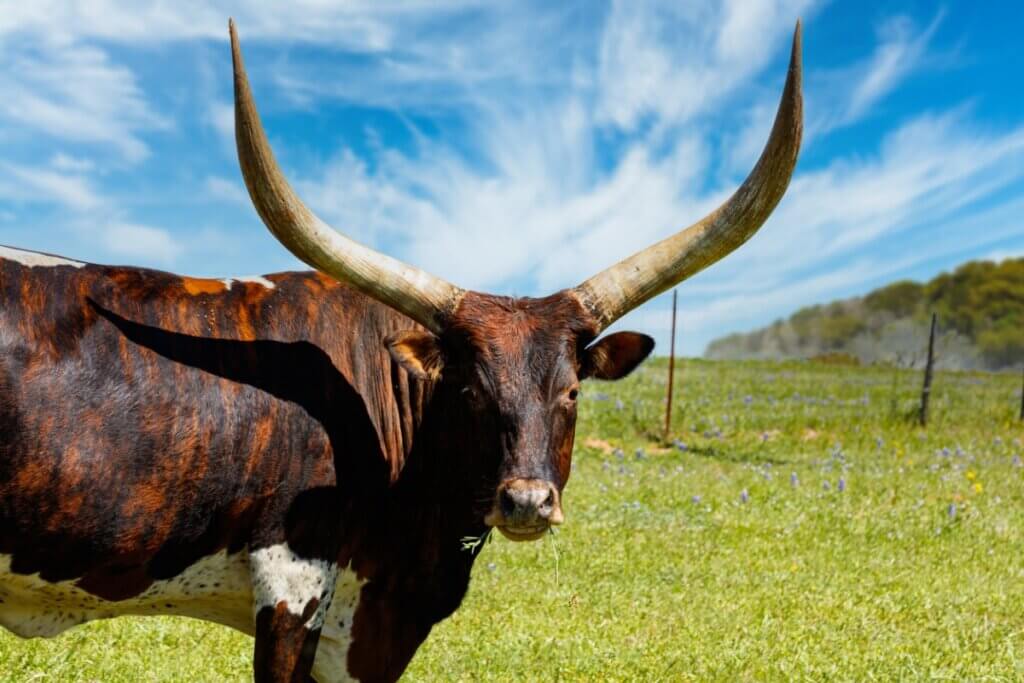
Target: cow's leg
x,y
291,596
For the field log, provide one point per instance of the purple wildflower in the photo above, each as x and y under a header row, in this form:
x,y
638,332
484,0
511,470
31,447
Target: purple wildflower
x,y
842,484
826,485
744,496
695,500
951,510
793,481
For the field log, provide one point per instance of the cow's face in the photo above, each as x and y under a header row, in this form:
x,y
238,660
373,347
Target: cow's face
x,y
516,367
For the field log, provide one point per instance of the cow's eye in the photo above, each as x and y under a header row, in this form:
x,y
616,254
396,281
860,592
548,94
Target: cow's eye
x,y
573,394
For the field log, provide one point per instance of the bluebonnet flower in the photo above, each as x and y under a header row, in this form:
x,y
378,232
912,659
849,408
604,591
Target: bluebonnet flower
x,y
744,496
619,405
951,510
826,485
640,454
619,454
599,396
748,399
695,500
1016,461
842,484
680,445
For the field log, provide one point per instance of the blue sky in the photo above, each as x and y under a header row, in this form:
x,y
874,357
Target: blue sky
x,y
518,148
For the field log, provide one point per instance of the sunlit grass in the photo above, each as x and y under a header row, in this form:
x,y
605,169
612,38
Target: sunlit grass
x,y
867,547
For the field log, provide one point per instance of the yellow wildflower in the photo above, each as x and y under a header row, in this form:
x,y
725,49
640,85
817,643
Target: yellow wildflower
x,y
978,488
971,474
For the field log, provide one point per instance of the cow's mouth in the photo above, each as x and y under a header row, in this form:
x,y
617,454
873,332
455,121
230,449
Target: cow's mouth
x,y
523,533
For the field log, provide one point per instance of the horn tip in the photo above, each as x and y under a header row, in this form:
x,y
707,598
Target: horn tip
x,y
798,40
236,50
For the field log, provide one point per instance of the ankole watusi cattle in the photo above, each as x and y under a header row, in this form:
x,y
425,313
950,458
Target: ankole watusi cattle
x,y
299,456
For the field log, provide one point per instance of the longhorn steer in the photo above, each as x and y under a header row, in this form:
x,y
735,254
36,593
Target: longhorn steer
x,y
299,456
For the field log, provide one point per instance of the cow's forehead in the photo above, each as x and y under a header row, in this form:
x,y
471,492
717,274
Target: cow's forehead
x,y
517,331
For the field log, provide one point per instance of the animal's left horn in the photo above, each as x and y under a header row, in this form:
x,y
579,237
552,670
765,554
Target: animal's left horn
x,y
427,299
614,292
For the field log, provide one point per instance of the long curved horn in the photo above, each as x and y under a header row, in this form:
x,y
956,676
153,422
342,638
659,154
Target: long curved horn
x,y
614,292
427,299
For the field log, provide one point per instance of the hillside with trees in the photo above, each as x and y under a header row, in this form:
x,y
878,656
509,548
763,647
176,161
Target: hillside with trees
x,y
980,308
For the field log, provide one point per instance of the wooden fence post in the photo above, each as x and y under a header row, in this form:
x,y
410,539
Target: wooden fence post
x,y
926,390
671,368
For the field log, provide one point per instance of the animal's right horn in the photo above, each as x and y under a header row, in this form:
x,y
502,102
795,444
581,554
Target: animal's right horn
x,y
427,299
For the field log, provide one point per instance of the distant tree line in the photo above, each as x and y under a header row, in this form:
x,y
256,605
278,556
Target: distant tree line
x,y
980,308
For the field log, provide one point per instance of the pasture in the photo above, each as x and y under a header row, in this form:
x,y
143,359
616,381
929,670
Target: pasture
x,y
802,529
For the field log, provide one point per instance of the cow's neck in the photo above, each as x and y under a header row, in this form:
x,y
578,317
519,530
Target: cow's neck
x,y
430,495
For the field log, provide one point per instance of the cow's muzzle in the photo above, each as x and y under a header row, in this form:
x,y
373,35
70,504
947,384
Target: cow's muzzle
x,y
524,509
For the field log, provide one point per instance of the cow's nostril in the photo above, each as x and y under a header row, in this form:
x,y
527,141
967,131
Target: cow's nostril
x,y
549,502
507,503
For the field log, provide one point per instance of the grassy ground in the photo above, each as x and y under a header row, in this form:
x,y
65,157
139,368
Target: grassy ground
x,y
803,529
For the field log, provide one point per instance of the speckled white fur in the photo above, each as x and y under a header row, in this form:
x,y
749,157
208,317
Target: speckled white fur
x,y
279,575
216,588
34,259
256,279
221,588
331,663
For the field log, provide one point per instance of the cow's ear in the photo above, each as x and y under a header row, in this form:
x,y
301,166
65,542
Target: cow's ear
x,y
418,351
616,355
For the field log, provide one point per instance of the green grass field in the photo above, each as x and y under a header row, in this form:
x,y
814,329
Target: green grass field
x,y
807,530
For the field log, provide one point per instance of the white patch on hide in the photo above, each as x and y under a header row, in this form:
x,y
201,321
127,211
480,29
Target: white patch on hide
x,y
255,279
216,588
279,575
331,663
34,259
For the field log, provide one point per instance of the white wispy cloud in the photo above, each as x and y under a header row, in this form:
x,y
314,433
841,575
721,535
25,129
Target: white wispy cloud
x,y
226,190
135,241
846,95
74,92
71,164
900,50
27,184
675,60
